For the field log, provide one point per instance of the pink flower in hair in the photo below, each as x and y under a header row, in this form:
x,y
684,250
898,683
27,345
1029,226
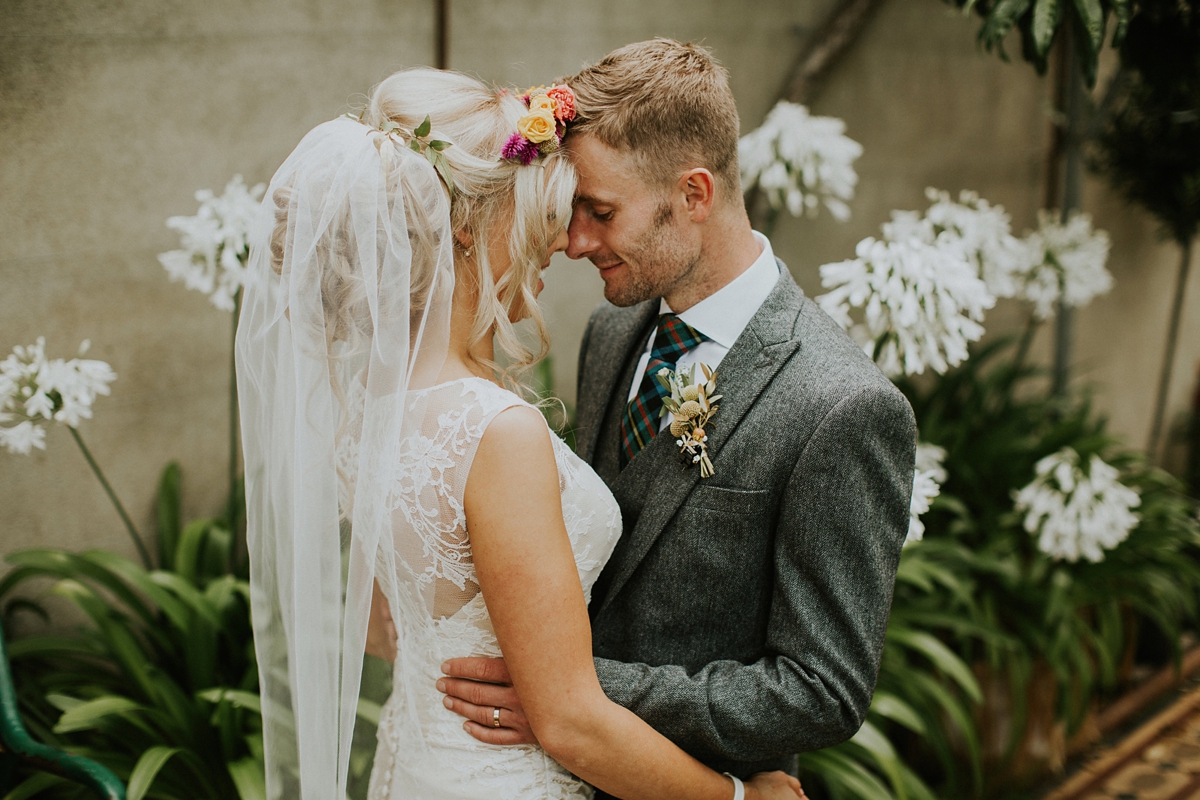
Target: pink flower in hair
x,y
564,102
518,148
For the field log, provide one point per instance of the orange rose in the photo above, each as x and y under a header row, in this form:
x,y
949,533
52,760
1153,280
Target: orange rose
x,y
564,102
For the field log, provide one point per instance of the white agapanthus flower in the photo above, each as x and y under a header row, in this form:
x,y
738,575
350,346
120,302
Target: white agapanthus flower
x,y
1068,263
921,302
801,161
982,232
928,477
215,242
1075,513
35,390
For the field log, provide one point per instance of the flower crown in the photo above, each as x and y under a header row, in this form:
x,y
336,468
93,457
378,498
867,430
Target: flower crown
x,y
541,131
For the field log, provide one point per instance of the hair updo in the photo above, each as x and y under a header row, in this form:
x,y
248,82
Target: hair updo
x,y
532,202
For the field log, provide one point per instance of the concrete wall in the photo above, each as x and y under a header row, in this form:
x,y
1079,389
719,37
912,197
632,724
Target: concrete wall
x,y
112,115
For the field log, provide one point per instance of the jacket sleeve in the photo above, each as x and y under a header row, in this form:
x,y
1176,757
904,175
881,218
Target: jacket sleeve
x,y
841,524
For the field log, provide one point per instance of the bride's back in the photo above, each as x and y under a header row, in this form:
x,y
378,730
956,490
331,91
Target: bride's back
x,y
423,750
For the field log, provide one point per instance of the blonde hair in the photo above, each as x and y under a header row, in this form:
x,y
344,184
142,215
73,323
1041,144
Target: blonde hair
x,y
667,103
534,201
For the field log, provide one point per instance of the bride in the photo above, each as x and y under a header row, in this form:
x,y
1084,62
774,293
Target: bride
x,y
383,457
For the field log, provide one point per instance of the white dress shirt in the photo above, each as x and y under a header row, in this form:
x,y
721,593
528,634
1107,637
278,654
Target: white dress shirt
x,y
722,316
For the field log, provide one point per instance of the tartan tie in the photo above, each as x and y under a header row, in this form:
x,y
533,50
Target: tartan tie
x,y
640,424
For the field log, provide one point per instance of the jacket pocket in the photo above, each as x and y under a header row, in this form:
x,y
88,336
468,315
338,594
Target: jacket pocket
x,y
743,502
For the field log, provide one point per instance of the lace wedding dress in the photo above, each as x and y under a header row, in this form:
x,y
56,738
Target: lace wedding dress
x,y
423,751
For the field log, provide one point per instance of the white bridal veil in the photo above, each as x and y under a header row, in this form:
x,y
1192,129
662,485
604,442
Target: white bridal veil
x,y
346,312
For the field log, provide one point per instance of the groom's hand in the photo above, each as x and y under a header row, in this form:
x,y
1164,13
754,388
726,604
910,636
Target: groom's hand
x,y
475,688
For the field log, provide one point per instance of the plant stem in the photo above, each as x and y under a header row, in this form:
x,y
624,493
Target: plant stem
x,y
1031,327
233,418
133,534
1164,382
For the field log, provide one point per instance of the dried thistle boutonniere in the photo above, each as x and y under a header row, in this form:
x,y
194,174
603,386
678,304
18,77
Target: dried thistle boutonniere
x,y
419,143
692,405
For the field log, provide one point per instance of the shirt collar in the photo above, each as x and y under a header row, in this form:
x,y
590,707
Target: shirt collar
x,y
723,315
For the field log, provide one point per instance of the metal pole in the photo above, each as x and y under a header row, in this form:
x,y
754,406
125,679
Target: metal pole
x,y
1076,97
441,34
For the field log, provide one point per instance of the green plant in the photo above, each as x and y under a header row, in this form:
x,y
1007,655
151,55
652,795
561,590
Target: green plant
x,y
1040,22
996,424
161,687
923,711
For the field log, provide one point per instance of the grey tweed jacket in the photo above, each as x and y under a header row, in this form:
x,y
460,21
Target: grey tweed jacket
x,y
743,615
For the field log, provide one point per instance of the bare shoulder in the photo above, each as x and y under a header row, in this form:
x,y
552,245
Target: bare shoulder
x,y
515,429
515,446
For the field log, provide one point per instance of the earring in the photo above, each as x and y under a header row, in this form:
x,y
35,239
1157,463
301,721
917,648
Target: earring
x,y
467,252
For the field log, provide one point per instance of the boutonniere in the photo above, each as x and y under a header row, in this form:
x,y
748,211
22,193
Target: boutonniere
x,y
692,405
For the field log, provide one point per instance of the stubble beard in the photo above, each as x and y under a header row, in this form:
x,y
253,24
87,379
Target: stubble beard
x,y
662,263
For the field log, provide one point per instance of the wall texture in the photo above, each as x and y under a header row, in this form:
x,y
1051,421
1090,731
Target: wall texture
x,y
113,115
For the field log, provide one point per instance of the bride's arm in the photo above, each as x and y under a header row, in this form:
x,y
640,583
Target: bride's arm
x,y
527,573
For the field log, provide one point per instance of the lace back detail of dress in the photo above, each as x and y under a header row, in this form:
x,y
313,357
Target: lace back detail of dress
x,y
423,752
433,475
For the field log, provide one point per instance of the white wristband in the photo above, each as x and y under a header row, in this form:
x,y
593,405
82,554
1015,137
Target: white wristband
x,y
739,789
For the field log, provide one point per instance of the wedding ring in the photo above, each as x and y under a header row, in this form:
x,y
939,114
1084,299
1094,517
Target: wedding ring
x,y
495,718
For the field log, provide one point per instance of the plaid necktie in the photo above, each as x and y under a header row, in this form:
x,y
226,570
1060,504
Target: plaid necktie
x,y
640,422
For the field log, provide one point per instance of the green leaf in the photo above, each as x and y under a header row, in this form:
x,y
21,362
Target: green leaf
x,y
874,742
843,776
168,512
235,697
57,563
1122,12
1046,16
51,647
369,711
415,146
190,551
147,769
942,657
86,716
443,167
249,778
114,630
888,705
176,611
1091,15
438,144
36,786
957,713
188,594
64,702
423,129
1001,20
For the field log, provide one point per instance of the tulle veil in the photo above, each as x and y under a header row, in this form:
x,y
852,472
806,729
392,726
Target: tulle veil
x,y
346,312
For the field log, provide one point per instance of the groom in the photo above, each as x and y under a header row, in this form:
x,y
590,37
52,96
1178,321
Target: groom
x,y
742,615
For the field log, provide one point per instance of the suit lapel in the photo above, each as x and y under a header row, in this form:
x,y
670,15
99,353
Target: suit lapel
x,y
608,354
657,473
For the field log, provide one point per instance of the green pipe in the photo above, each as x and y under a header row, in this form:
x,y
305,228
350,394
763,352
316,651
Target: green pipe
x,y
16,741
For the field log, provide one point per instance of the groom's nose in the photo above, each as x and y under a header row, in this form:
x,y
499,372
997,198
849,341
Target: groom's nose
x,y
582,240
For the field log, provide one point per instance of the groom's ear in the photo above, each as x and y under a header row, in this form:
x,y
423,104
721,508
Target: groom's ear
x,y
699,193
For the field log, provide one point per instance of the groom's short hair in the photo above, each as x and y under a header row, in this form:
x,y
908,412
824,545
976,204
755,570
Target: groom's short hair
x,y
667,103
